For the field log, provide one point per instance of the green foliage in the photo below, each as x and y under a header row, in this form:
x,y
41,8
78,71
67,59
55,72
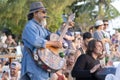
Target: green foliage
x,y
118,29
86,13
13,13
55,10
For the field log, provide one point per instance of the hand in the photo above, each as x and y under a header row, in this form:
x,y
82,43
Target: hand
x,y
94,68
71,24
101,56
57,44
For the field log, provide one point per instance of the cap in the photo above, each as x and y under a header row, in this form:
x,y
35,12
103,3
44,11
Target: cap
x,y
98,23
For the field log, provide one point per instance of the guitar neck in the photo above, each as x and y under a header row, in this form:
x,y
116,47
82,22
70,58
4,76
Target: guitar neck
x,y
70,18
63,32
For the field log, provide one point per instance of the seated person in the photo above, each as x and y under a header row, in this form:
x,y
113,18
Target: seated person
x,y
10,41
87,64
14,73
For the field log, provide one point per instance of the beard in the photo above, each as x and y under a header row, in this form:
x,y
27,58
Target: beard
x,y
44,23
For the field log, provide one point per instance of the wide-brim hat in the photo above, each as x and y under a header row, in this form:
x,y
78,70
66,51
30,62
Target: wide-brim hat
x,y
35,6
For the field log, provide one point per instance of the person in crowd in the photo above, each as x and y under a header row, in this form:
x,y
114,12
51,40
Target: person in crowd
x,y
87,64
113,39
91,30
10,41
107,36
3,62
14,73
15,68
34,36
5,76
3,37
77,42
59,75
70,60
99,35
86,38
82,43
115,76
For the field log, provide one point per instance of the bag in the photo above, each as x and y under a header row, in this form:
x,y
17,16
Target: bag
x,y
101,74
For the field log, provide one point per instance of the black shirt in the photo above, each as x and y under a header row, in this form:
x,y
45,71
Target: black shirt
x,y
82,67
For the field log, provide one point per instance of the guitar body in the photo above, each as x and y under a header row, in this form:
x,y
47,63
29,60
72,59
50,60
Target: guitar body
x,y
50,56
53,49
52,61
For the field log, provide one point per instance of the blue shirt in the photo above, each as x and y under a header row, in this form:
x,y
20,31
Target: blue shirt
x,y
34,36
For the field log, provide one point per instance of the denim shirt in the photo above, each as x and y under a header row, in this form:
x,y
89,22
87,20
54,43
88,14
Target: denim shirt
x,y
33,36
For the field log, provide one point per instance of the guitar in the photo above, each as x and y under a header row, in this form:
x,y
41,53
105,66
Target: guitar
x,y
49,58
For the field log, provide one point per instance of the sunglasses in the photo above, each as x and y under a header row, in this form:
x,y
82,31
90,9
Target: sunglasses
x,y
106,24
43,11
79,38
13,65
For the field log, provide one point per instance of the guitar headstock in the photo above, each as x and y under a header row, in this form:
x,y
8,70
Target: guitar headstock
x,y
71,17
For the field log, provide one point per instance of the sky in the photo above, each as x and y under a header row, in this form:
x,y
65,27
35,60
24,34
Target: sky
x,y
116,4
115,23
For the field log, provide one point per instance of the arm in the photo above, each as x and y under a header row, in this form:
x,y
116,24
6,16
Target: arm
x,y
69,37
13,41
54,77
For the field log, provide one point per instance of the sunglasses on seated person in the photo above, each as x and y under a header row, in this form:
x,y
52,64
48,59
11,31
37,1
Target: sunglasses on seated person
x,y
105,24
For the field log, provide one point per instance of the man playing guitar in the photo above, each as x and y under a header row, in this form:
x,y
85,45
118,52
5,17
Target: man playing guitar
x,y
34,36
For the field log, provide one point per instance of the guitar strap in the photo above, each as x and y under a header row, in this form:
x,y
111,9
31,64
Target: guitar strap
x,y
33,55
38,62
30,52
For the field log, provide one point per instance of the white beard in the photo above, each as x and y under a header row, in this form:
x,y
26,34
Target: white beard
x,y
44,23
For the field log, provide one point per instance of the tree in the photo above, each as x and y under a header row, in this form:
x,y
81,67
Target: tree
x,y
13,13
55,10
88,11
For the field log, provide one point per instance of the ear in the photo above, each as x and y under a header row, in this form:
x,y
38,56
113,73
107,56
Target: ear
x,y
35,14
